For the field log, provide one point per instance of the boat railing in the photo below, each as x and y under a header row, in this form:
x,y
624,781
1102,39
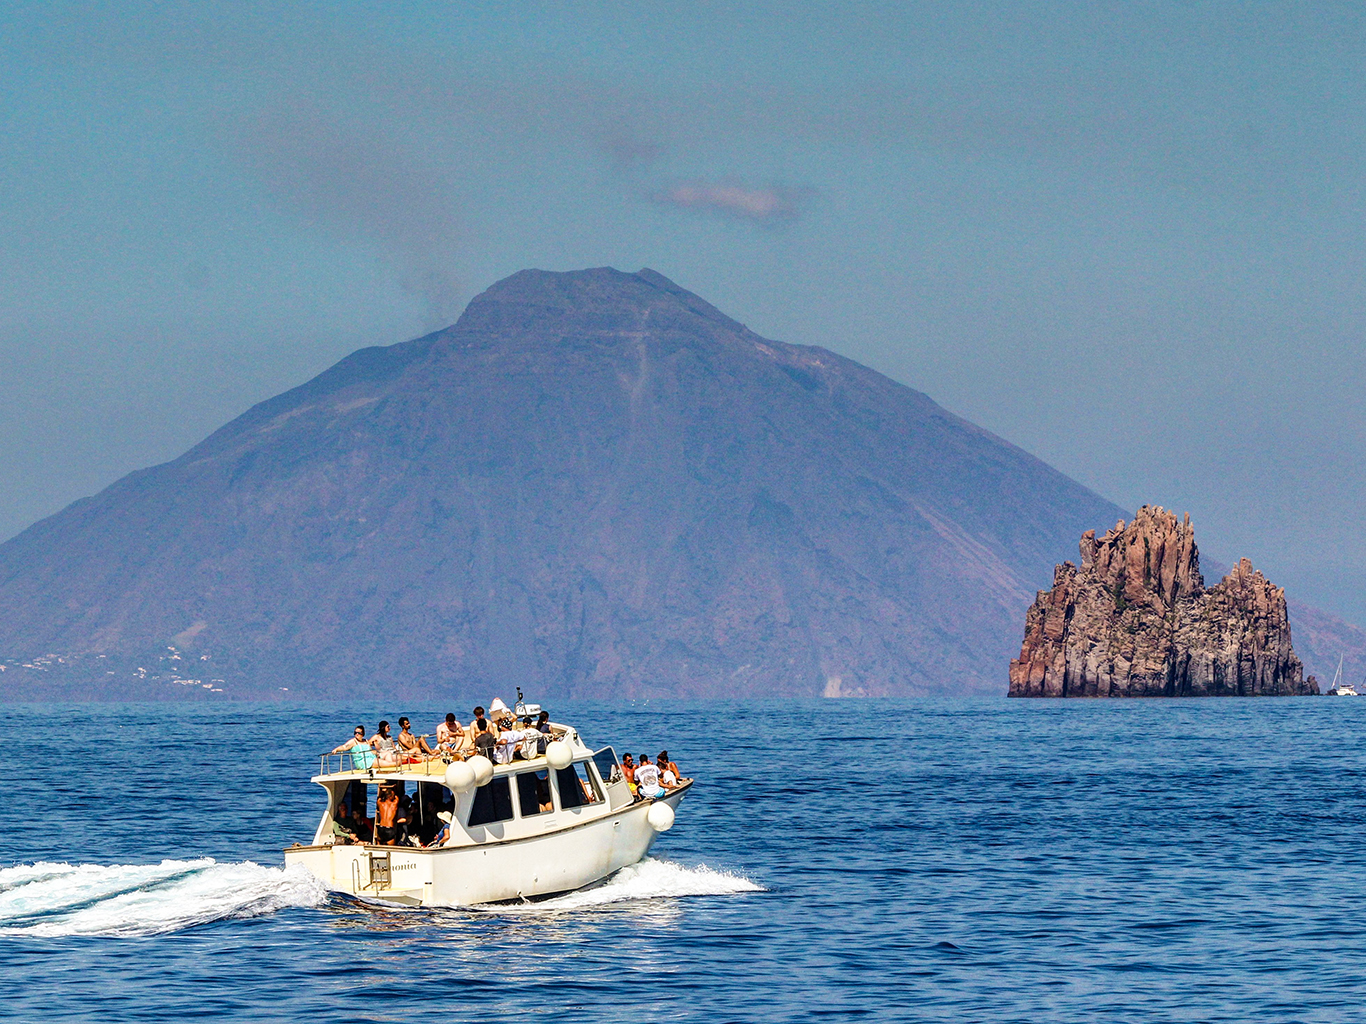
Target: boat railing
x,y
366,761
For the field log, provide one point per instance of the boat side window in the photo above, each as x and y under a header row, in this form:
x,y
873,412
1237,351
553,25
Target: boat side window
x,y
576,789
608,769
533,793
492,802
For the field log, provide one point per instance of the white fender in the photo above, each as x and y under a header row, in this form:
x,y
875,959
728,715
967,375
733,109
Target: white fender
x,y
660,816
559,754
459,777
482,768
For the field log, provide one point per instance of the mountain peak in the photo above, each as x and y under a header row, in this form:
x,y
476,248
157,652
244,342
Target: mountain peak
x,y
598,298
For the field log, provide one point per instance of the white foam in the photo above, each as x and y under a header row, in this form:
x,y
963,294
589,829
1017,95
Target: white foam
x,y
124,900
649,880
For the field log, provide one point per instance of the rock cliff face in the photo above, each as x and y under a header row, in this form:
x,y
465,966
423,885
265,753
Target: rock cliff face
x,y
1136,620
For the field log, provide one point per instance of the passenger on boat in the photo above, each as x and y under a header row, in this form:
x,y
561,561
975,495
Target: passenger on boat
x,y
384,746
407,743
498,711
343,826
483,738
386,814
441,837
405,821
429,821
669,775
533,742
362,756
510,742
647,778
473,731
450,737
628,769
357,740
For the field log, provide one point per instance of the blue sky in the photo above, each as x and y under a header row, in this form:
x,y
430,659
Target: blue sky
x,y
1126,237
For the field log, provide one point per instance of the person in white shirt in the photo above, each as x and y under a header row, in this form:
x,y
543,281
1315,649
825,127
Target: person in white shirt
x,y
508,739
647,778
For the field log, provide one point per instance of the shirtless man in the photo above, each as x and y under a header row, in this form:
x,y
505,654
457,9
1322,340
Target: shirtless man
x,y
628,769
473,731
450,737
386,816
407,742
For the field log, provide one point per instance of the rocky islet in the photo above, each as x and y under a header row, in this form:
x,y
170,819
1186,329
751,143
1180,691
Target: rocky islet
x,y
1136,620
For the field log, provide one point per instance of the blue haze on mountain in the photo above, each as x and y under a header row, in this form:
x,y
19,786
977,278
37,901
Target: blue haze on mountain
x,y
1125,237
593,484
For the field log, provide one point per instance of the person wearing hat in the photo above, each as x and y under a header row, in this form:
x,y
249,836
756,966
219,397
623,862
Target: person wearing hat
x,y
441,837
501,714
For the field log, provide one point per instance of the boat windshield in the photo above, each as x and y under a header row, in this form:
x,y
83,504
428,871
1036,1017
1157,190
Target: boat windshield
x,y
577,786
606,760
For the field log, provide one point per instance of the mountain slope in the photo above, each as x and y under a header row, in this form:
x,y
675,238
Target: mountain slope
x,y
593,483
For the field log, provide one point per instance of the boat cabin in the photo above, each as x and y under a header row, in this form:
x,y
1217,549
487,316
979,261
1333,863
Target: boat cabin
x,y
525,797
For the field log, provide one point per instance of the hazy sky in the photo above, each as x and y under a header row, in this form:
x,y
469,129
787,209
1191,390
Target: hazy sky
x,y
1126,237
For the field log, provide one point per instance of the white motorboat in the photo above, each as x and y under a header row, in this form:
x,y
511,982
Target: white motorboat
x,y
1340,689
534,827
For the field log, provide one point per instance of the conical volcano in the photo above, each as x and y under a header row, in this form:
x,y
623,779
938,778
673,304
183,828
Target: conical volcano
x,y
593,484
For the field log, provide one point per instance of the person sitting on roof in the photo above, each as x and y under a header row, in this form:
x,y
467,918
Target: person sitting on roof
x,y
499,711
362,756
509,740
407,743
531,746
473,730
483,736
384,746
647,778
547,733
450,738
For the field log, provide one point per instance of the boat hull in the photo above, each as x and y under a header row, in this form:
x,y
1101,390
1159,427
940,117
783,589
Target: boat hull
x,y
494,871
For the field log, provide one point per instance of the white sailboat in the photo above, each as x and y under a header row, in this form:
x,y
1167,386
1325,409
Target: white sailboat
x,y
1339,689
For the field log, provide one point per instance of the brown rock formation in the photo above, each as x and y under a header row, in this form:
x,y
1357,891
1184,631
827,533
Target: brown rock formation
x,y
1136,620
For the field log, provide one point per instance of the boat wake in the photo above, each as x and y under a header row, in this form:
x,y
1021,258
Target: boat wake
x,y
129,900
52,900
649,880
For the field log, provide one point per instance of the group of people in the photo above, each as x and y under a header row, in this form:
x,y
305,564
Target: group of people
x,y
398,820
651,778
497,734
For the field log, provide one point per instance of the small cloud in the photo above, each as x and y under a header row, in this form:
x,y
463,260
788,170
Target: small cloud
x,y
762,205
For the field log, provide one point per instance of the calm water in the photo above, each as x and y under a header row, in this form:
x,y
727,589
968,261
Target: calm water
x,y
927,861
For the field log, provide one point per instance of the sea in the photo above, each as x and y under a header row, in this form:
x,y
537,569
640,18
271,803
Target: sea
x,y
916,860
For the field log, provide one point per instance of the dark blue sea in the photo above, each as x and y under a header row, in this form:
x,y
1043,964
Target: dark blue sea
x,y
984,860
